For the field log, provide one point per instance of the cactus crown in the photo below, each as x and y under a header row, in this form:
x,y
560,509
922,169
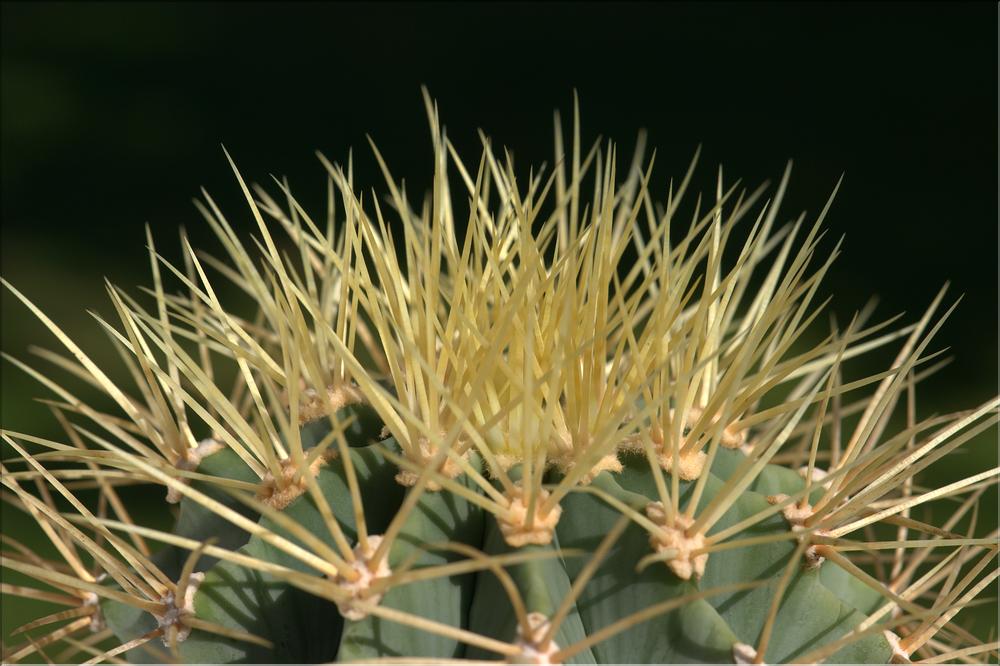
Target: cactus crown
x,y
577,427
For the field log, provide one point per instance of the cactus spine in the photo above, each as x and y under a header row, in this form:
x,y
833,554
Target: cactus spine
x,y
581,429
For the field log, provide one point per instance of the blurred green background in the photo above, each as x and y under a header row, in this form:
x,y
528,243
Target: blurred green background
x,y
112,116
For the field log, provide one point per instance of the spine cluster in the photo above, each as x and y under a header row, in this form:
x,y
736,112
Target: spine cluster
x,y
556,338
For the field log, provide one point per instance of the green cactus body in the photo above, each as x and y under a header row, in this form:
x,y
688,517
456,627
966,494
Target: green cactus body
x,y
304,628
556,435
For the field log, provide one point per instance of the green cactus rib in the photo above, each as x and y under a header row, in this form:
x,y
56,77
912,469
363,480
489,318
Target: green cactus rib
x,y
818,607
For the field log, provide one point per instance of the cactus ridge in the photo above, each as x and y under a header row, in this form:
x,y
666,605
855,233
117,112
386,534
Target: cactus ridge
x,y
570,433
266,606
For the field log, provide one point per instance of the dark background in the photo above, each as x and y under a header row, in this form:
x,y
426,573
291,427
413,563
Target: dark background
x,y
113,115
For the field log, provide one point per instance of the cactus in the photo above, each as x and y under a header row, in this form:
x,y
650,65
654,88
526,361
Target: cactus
x,y
578,429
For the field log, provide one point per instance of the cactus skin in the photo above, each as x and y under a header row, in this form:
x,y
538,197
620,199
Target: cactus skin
x,y
366,491
305,629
